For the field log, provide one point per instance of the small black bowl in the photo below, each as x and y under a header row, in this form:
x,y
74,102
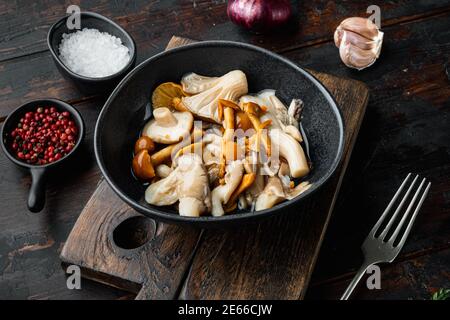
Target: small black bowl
x,y
89,85
36,197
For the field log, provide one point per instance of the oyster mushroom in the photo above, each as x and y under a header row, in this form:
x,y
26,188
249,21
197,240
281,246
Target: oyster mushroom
x,y
168,127
188,183
222,193
246,182
284,174
298,190
254,112
193,83
290,149
212,154
281,117
253,165
228,87
272,194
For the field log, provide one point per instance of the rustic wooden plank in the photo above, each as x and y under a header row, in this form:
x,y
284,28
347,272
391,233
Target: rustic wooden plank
x,y
275,259
405,130
414,279
35,76
24,26
159,263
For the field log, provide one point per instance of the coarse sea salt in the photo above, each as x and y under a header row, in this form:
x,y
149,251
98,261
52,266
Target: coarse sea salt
x,y
92,53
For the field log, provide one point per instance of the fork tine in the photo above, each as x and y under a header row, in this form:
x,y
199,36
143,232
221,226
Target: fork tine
x,y
400,206
406,214
413,218
388,208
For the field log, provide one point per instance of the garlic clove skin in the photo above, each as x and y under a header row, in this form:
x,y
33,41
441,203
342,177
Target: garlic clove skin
x,y
359,41
362,26
355,57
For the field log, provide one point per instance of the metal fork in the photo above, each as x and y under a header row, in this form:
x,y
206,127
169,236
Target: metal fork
x,y
378,247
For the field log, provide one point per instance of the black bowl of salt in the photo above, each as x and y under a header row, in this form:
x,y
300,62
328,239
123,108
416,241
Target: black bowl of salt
x,y
96,56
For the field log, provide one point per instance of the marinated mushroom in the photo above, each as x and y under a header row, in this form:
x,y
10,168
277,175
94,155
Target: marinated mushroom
x,y
275,192
246,182
281,117
272,194
212,154
298,190
142,165
164,94
254,112
291,150
222,193
213,167
163,170
231,87
188,183
168,127
193,83
144,143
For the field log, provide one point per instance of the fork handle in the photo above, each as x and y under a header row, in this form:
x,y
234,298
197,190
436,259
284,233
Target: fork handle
x,y
355,280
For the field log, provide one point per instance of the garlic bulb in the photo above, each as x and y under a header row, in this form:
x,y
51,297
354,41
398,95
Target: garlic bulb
x,y
359,41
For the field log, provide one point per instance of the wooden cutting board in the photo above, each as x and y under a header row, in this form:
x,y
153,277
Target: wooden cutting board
x,y
273,259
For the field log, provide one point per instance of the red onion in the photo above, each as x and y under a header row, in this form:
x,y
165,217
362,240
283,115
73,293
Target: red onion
x,y
259,14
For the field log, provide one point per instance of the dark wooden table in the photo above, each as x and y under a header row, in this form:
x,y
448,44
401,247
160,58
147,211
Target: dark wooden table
x,y
406,128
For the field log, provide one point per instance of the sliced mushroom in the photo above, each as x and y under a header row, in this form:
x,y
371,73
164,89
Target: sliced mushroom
x,y
163,171
188,183
212,153
295,111
290,149
280,116
284,174
168,127
294,132
246,182
222,193
242,202
272,194
194,83
275,192
257,187
254,111
298,190
196,147
229,87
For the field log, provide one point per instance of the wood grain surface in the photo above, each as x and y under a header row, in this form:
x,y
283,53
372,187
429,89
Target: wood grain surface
x,y
405,129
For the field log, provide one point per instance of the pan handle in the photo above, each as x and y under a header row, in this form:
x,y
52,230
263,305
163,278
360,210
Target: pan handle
x,y
36,196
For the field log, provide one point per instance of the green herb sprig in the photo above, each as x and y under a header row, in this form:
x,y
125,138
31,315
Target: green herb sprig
x,y
441,294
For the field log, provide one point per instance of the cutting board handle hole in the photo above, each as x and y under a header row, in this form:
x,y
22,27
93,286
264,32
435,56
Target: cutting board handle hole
x,y
133,232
